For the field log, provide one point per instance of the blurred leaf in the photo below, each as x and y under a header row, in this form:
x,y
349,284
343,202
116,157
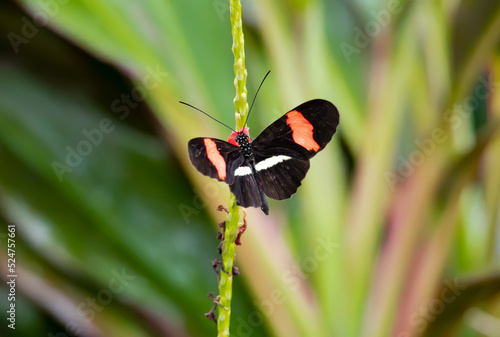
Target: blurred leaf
x,y
469,293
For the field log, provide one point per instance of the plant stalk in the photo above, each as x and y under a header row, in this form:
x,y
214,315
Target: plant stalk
x,y
241,110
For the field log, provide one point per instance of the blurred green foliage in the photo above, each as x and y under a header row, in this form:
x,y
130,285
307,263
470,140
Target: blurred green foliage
x,y
393,233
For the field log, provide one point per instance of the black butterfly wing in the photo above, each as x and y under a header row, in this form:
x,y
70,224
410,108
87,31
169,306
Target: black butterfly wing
x,y
245,188
215,158
282,151
281,175
306,129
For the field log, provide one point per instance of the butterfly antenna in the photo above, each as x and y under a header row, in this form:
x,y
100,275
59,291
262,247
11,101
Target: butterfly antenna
x,y
203,112
251,106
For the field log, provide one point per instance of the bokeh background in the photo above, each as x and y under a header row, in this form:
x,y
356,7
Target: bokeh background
x,y
393,233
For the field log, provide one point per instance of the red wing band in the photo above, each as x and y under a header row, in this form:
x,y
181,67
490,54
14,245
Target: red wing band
x,y
262,165
302,131
215,158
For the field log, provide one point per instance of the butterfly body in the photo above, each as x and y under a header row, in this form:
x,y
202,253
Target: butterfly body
x,y
274,163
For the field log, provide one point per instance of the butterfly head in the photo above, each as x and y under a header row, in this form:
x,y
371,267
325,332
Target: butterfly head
x,y
237,137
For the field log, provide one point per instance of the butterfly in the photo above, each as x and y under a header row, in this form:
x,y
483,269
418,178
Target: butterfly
x,y
274,163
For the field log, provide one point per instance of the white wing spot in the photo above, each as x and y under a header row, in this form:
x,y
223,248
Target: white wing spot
x,y
270,162
262,165
243,171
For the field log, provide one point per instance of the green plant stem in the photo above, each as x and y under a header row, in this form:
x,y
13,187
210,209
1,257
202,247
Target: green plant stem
x,y
226,276
240,73
241,110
